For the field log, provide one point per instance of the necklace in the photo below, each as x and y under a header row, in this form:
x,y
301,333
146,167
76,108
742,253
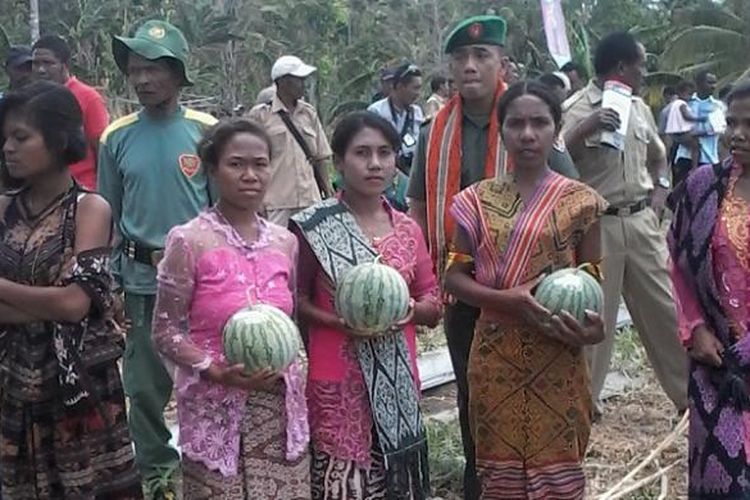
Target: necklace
x,y
31,216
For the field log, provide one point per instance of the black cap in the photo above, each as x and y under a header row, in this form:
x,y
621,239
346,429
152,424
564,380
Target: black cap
x,y
18,55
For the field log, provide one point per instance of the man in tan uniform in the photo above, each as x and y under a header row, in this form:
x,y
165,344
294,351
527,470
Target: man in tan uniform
x,y
634,247
298,164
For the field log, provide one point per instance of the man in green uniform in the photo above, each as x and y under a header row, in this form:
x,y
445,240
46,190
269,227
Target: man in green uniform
x,y
153,179
477,64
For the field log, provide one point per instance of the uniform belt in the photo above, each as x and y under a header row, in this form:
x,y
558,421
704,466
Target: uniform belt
x,y
628,210
141,253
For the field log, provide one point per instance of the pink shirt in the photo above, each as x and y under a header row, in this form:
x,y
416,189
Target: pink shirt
x,y
95,120
209,273
339,408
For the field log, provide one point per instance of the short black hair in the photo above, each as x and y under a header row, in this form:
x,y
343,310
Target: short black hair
x,y
530,87
685,86
353,123
53,110
740,90
551,80
702,76
437,82
404,73
214,140
571,66
621,47
669,90
55,44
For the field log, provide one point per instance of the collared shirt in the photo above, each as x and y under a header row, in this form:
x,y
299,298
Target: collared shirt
x,y
150,174
398,119
709,143
474,131
292,183
621,177
95,120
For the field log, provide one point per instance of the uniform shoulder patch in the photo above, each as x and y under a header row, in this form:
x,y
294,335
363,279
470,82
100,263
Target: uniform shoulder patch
x,y
118,124
200,117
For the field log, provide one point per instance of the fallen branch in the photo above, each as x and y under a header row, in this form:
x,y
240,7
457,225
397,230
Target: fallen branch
x,y
641,483
671,438
664,488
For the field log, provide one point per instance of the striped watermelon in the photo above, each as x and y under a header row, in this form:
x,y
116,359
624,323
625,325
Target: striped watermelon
x,y
261,336
372,297
573,290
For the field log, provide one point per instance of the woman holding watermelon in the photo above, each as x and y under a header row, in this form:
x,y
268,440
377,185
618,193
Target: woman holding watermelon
x,y
241,436
530,403
709,243
367,435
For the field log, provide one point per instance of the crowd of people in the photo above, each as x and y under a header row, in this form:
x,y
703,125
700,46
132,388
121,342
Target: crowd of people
x,y
135,241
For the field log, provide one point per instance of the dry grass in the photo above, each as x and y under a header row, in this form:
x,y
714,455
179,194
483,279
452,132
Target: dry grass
x,y
631,427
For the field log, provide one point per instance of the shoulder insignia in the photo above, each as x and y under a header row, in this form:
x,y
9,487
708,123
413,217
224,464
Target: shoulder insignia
x,y
118,124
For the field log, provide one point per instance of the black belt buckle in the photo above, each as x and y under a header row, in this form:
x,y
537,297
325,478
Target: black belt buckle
x,y
628,210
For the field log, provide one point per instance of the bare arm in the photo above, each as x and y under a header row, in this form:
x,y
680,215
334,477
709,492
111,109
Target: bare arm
x,y
688,115
590,247
13,316
64,303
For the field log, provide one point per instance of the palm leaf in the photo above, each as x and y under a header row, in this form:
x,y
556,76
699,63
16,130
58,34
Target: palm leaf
x,y
708,16
696,43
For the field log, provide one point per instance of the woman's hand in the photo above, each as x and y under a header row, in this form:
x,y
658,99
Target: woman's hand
x,y
705,347
235,376
521,302
569,330
400,324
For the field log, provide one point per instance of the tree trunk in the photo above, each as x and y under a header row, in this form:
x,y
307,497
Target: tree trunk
x,y
34,20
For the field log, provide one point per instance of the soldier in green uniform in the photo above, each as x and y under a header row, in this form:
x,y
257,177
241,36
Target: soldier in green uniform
x,y
477,65
150,174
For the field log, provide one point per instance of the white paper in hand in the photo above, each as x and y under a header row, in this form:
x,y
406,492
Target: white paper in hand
x,y
617,96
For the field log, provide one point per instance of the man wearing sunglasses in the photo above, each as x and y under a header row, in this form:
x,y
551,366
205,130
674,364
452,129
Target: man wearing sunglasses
x,y
401,110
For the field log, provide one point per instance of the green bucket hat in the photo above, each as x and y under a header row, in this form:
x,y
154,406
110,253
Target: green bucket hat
x,y
487,30
154,40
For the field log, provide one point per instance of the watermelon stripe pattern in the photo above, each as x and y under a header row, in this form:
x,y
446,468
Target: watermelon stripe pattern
x,y
261,336
371,297
572,290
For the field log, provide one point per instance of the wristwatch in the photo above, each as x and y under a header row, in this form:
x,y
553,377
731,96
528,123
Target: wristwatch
x,y
663,182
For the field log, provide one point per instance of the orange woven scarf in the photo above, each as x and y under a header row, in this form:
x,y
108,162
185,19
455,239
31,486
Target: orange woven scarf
x,y
443,171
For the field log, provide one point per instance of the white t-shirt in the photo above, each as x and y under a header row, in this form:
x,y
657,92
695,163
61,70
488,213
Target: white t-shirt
x,y
676,123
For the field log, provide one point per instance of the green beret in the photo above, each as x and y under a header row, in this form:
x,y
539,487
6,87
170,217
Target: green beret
x,y
487,30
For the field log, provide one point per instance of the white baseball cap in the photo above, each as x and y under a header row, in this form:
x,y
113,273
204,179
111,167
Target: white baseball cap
x,y
291,65
565,79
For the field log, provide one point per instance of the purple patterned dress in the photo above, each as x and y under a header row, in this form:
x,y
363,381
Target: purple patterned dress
x,y
710,247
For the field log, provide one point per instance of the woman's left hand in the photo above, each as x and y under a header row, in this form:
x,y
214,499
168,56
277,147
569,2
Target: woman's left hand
x,y
569,330
399,325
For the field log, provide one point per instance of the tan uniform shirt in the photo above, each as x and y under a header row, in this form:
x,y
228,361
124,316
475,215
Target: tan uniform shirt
x,y
432,106
292,183
621,177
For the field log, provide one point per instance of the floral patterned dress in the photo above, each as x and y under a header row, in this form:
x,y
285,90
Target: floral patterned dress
x,y
62,407
235,444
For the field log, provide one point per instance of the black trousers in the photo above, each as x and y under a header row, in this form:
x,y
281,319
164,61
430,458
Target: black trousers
x,y
459,324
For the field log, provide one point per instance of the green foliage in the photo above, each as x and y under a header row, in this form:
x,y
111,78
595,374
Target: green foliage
x,y
234,42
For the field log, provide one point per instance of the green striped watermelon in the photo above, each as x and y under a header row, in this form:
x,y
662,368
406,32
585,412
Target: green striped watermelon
x,y
372,297
573,290
261,336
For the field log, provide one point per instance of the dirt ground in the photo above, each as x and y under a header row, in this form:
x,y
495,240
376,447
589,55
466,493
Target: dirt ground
x,y
632,425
